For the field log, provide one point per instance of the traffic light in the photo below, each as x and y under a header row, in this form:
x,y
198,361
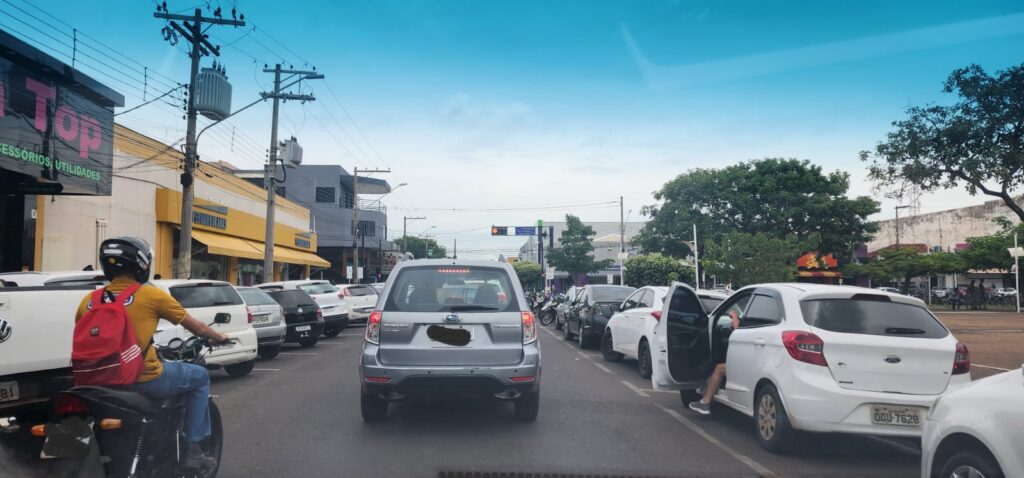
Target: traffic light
x,y
499,231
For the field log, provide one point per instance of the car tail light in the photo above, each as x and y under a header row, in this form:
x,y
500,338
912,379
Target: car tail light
x,y
804,347
378,379
69,405
656,314
529,328
248,313
962,360
373,327
319,314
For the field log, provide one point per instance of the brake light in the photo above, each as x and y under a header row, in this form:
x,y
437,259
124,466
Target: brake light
x,y
319,314
656,314
249,314
69,405
962,360
524,378
344,293
373,327
804,347
529,328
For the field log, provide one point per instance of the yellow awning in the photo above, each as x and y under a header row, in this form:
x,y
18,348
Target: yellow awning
x,y
295,256
223,245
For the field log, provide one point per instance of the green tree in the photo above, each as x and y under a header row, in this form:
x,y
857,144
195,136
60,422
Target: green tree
x,y
976,143
656,269
988,252
529,273
776,197
741,259
421,248
575,254
873,270
904,264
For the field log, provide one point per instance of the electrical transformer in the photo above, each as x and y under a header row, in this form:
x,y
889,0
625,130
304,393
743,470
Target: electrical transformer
x,y
213,93
291,152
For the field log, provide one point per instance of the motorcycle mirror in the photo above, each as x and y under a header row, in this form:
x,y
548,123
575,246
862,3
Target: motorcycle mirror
x,y
222,318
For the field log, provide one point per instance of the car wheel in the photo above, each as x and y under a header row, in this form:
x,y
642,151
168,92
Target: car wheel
x,y
332,332
581,339
307,343
268,352
527,407
607,351
240,369
688,397
643,360
374,408
566,334
971,464
558,325
774,432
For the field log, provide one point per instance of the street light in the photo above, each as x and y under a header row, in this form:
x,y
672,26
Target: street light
x,y
424,232
385,194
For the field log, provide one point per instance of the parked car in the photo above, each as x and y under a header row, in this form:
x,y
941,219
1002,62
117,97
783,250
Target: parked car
x,y
591,310
331,302
60,278
428,338
360,299
1006,292
630,332
378,287
812,357
204,300
891,290
563,307
940,293
303,317
267,317
977,431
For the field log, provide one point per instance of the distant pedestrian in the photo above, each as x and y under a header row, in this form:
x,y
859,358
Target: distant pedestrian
x,y
972,296
982,295
954,298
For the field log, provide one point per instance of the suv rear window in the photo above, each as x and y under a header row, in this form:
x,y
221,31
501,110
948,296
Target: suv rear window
x,y
710,303
205,295
254,296
360,290
290,299
452,289
872,317
318,288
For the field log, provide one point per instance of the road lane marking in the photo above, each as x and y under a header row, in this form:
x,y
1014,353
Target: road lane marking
x,y
753,465
298,353
993,368
635,389
267,369
602,367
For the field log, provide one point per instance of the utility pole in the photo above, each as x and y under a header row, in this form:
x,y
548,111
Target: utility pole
x,y
696,259
270,172
405,225
622,243
455,254
192,31
357,229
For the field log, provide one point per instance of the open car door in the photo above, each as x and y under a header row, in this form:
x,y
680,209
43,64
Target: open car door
x,y
682,342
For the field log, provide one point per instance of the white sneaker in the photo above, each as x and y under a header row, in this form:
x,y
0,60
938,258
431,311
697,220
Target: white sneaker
x,y
701,407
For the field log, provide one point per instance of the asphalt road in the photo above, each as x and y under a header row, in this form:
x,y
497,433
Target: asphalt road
x,y
298,415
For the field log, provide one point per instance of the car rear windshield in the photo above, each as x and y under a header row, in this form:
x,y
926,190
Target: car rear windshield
x,y
291,299
360,290
872,317
254,296
205,295
318,288
710,303
452,289
610,293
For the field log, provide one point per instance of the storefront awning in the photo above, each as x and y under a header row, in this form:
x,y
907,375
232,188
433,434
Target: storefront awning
x,y
295,256
223,245
819,274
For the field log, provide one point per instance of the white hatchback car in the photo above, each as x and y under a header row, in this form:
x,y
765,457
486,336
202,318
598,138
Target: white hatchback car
x,y
630,331
361,300
327,296
205,300
977,432
812,357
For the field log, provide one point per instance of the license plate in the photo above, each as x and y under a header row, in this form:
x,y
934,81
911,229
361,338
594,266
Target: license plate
x,y
8,391
303,328
223,346
261,319
450,334
899,416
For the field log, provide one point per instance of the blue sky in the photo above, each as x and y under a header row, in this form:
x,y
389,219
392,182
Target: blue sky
x,y
486,104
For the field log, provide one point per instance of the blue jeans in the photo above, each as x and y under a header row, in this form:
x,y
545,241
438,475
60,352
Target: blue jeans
x,y
184,379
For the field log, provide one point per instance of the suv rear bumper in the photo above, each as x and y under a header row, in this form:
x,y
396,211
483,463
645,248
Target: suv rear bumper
x,y
336,321
315,329
449,381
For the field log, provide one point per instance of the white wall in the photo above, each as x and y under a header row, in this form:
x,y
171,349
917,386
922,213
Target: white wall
x,y
943,228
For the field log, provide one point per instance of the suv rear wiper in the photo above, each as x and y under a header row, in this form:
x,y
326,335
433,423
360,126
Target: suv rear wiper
x,y
461,308
902,331
223,302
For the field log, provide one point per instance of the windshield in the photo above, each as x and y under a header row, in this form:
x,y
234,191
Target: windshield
x,y
253,296
318,288
290,299
205,295
610,294
452,289
872,317
359,291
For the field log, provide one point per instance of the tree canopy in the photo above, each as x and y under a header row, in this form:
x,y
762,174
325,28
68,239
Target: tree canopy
x,y
529,273
656,269
421,248
773,197
976,143
575,252
906,263
742,259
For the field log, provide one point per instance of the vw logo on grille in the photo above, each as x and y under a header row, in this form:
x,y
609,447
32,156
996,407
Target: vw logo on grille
x,y
451,318
892,358
5,330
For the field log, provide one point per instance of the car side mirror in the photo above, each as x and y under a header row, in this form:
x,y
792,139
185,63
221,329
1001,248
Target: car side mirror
x,y
616,308
222,318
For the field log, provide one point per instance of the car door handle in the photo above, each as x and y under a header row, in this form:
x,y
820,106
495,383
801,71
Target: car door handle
x,y
759,342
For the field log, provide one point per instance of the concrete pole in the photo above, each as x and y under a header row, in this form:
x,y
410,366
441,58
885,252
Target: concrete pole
x,y
268,181
188,177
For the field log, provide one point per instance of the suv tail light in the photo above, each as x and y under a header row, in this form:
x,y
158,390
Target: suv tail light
x,y
248,314
69,405
529,328
319,314
373,327
962,360
804,347
656,314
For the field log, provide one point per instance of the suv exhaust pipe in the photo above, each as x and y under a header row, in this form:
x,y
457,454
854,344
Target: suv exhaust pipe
x,y
508,394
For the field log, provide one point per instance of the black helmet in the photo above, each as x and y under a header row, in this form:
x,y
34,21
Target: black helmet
x,y
121,255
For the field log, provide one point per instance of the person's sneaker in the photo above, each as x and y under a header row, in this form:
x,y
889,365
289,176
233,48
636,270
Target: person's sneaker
x,y
701,407
197,459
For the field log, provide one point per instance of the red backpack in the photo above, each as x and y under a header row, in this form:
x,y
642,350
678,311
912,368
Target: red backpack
x,y
105,350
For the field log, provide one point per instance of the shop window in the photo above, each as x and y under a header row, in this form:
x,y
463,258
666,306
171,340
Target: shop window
x,y
345,200
325,195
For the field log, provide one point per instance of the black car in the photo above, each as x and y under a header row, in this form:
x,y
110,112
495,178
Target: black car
x,y
587,316
304,319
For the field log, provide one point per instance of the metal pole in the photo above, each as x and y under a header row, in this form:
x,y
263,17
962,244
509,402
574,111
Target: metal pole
x,y
355,226
188,176
897,228
696,259
622,242
1016,272
269,175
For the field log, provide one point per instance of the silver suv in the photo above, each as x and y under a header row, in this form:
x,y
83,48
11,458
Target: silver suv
x,y
452,329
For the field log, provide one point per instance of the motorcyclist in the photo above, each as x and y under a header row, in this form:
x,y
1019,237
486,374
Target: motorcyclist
x,y
127,261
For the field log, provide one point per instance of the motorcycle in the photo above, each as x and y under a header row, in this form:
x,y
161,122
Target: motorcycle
x,y
548,310
101,431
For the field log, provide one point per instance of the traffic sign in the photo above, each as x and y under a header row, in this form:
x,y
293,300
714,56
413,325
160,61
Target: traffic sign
x,y
526,231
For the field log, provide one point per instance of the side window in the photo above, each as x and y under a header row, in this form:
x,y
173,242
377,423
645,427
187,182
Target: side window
x,y
633,301
764,310
647,300
737,303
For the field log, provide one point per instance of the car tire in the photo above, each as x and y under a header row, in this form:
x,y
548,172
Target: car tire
x,y
609,353
979,461
547,318
643,360
527,407
269,351
771,423
307,343
558,325
332,332
566,334
688,397
582,341
374,408
240,369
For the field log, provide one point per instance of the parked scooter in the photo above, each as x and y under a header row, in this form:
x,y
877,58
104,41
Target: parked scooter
x,y
102,431
547,310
